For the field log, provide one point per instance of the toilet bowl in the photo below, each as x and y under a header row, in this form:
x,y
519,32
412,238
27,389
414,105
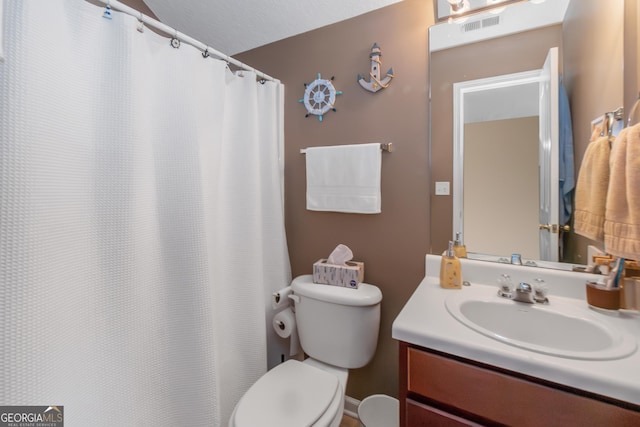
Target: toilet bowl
x,y
294,394
338,329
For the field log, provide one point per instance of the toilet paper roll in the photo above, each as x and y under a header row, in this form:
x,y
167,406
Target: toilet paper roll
x,y
284,323
281,298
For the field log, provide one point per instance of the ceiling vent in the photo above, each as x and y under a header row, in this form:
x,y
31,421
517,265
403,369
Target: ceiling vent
x,y
481,23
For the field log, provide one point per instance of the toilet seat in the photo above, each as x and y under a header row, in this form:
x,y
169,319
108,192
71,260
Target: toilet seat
x,y
291,394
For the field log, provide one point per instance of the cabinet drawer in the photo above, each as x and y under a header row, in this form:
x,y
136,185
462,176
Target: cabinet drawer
x,y
421,415
504,399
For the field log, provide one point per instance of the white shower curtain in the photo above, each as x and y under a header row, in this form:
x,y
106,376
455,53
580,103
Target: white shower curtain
x,y
141,221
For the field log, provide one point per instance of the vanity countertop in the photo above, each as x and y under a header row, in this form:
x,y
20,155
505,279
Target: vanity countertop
x,y
426,322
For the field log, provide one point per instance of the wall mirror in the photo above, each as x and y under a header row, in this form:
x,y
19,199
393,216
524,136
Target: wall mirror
x,y
470,63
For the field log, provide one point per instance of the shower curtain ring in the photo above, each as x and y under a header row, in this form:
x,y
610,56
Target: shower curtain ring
x,y
140,24
175,42
107,10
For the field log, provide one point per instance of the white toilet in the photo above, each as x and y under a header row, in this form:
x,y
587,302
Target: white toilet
x,y
338,330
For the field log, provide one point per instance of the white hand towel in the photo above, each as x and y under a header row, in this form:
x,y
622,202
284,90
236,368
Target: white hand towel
x,y
344,178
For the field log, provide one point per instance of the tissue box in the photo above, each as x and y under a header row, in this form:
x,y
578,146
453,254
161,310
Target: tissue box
x,y
348,276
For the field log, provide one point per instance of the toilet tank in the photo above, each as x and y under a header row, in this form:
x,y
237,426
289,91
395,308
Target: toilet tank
x,y
337,325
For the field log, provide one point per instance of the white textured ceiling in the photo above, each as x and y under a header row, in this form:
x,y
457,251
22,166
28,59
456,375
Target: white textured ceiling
x,y
234,26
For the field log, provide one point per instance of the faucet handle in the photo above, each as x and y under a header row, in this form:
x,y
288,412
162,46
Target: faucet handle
x,y
506,287
540,291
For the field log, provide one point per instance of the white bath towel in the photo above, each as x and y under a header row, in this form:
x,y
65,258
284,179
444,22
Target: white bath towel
x,y
344,178
622,216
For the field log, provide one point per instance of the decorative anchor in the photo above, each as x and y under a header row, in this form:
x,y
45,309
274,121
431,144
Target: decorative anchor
x,y
376,83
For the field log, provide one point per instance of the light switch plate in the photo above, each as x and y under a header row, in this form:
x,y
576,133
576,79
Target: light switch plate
x,y
442,188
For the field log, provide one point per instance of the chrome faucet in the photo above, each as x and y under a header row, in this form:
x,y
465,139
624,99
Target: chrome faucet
x,y
516,259
523,293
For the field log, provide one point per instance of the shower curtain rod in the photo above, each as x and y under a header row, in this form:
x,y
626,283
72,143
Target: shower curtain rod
x,y
114,4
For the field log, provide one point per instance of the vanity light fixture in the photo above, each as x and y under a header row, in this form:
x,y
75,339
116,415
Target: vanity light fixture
x,y
457,7
457,11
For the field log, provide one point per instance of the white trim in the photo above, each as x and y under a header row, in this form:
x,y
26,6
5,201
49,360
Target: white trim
x,y
351,407
459,90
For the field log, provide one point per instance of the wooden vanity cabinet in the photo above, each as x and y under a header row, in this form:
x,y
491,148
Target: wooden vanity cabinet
x,y
439,390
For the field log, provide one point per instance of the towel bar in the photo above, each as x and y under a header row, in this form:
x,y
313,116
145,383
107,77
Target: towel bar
x,y
384,146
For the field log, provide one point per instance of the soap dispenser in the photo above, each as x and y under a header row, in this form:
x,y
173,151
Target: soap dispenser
x,y
450,272
459,248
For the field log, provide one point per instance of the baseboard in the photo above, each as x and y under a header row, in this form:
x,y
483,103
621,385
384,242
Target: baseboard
x,y
351,407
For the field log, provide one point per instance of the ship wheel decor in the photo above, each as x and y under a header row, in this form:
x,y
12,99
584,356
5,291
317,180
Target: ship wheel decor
x,y
319,97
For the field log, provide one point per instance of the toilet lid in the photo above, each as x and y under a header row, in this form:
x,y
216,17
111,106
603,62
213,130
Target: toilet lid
x,y
291,394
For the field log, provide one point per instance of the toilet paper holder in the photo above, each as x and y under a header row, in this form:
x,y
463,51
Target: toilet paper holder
x,y
281,298
293,298
276,297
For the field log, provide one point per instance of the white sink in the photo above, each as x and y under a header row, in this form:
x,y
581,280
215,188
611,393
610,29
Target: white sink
x,y
559,328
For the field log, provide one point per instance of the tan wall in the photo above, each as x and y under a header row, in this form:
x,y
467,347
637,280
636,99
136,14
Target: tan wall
x,y
631,51
501,187
519,52
593,60
392,244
